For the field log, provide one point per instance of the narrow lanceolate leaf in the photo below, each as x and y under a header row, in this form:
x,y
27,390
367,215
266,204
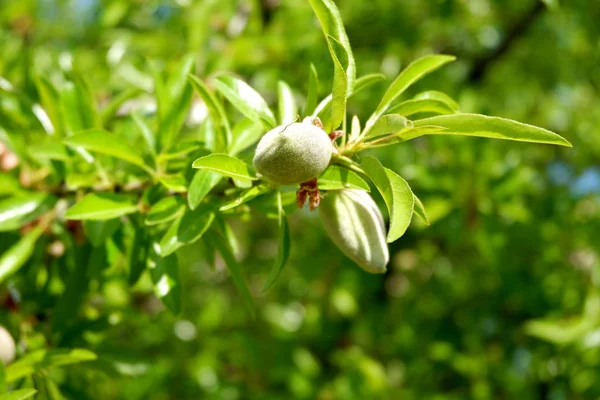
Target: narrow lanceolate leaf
x,y
340,92
98,231
404,135
20,394
386,124
176,98
164,272
245,196
42,359
246,100
332,25
108,112
283,252
17,255
175,183
146,132
49,97
415,71
106,143
338,178
21,209
313,91
188,229
410,107
235,269
490,127
101,206
202,183
216,112
396,193
288,110
439,96
49,151
167,209
245,134
420,210
360,84
224,165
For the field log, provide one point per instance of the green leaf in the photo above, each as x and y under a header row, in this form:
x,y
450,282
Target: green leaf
x,y
246,196
175,183
48,151
21,209
177,96
410,107
245,134
101,206
338,178
389,123
108,112
3,386
288,110
359,85
167,209
98,231
188,229
50,100
439,96
216,112
283,252
202,183
420,210
313,91
146,132
415,71
224,165
17,255
20,394
164,272
332,25
235,270
78,106
399,137
76,286
137,255
396,193
246,100
340,91
105,143
40,359
489,127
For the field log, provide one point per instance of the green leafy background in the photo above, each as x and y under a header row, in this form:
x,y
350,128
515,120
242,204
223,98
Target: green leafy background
x,y
497,298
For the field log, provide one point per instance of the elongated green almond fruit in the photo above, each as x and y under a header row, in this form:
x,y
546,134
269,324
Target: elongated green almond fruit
x,y
356,226
294,153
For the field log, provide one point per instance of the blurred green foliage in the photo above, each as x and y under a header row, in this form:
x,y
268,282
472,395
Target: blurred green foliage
x,y
498,298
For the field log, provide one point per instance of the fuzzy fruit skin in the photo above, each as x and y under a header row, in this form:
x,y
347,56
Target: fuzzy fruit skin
x,y
294,153
355,224
7,346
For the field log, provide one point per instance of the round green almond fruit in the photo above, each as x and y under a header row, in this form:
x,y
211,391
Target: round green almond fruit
x,y
355,224
294,153
7,346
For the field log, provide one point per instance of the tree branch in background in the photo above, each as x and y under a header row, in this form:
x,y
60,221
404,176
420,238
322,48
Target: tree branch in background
x,y
518,30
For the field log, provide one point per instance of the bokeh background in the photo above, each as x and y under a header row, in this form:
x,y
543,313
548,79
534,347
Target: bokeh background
x,y
498,299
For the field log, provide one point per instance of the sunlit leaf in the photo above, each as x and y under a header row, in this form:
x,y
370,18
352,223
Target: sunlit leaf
x,y
396,193
410,107
415,71
101,206
224,165
20,394
167,209
338,178
245,134
19,210
246,100
332,25
146,132
288,110
386,124
187,229
489,127
106,143
202,183
420,210
164,272
17,255
40,359
246,196
313,91
340,92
